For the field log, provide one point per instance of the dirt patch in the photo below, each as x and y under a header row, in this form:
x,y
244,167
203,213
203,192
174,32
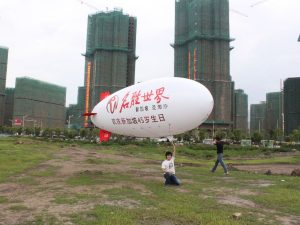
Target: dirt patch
x,y
260,183
275,154
235,198
145,172
156,162
189,164
41,196
166,222
289,220
283,169
126,203
246,192
236,201
182,190
231,196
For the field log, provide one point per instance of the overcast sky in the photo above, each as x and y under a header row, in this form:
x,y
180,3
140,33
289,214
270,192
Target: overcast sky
x,y
46,38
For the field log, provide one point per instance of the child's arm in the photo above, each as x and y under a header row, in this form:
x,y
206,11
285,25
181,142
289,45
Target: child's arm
x,y
174,149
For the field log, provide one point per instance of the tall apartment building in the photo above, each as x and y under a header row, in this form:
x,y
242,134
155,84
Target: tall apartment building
x,y
9,106
110,56
202,52
38,103
240,110
291,104
273,111
3,70
257,117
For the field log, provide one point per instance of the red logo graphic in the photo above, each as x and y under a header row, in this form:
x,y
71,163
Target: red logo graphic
x,y
112,104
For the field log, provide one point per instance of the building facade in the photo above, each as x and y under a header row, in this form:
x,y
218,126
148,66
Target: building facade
x,y
202,52
257,117
291,104
240,110
3,70
75,111
40,104
273,111
109,61
9,106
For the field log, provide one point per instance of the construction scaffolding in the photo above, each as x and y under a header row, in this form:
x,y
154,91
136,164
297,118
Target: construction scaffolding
x,y
9,106
257,117
240,110
291,104
3,70
110,55
41,103
202,51
273,111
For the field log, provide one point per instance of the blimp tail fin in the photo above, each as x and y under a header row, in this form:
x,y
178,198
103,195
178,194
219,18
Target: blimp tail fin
x,y
89,114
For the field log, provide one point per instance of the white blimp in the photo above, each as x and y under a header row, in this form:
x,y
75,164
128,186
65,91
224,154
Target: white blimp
x,y
155,108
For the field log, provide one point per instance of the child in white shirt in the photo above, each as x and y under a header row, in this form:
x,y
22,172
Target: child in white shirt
x,y
168,167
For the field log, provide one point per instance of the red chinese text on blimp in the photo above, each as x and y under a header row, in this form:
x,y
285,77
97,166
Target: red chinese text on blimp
x,y
135,99
139,120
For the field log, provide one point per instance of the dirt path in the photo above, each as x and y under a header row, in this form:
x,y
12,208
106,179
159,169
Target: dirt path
x,y
284,169
29,195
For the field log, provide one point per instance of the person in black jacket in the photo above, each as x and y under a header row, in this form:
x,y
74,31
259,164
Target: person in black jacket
x,y
219,145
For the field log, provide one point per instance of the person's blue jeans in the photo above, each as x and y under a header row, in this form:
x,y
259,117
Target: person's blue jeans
x,y
219,160
171,179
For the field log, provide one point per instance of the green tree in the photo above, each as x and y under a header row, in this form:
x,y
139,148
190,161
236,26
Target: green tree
x,y
47,132
221,134
187,136
28,130
237,135
179,137
202,135
57,132
276,134
19,130
65,132
295,135
95,133
72,133
256,137
37,131
83,132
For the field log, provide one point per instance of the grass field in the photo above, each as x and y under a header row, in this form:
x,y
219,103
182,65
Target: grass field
x,y
43,182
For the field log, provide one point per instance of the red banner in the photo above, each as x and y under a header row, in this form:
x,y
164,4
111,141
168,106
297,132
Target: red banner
x,y
104,135
103,95
17,122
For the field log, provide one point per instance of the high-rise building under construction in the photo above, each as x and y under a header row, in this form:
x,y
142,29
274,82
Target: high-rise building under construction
x,y
240,110
3,69
257,117
110,55
202,46
38,104
291,104
273,118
